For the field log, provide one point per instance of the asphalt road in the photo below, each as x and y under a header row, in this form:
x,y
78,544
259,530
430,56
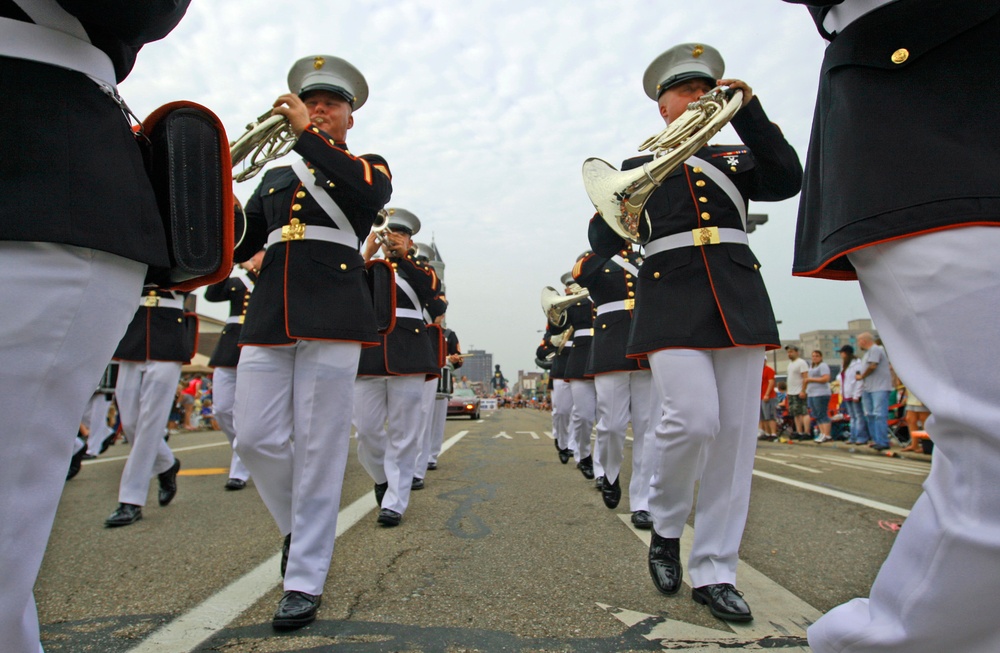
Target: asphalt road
x,y
505,550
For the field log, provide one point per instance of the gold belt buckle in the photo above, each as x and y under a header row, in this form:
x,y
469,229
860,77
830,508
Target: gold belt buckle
x,y
242,317
151,301
629,304
294,230
705,236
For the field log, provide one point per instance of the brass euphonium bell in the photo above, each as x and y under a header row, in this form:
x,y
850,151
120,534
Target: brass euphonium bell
x,y
554,304
268,138
620,196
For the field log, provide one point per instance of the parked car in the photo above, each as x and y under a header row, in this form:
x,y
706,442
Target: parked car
x,y
464,402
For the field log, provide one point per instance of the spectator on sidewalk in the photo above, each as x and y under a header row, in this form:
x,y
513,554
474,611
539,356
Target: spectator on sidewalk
x,y
797,407
768,405
876,379
850,394
817,392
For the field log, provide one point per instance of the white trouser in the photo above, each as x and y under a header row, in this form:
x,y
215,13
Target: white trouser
x,y
622,396
223,400
438,421
145,393
388,453
934,300
582,418
301,393
707,435
63,310
424,437
562,410
96,419
644,438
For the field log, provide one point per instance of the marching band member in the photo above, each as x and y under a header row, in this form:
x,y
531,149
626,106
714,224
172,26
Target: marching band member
x,y
624,391
309,316
706,356
439,419
73,256
391,377
150,356
580,317
434,423
423,253
561,397
901,194
236,290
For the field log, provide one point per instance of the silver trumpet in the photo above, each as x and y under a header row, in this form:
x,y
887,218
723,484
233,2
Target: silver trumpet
x,y
620,196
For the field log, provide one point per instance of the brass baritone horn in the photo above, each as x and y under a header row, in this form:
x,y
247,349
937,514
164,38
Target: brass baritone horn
x,y
268,138
620,197
554,304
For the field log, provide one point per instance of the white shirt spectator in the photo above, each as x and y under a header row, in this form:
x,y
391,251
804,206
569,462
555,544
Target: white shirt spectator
x,y
796,369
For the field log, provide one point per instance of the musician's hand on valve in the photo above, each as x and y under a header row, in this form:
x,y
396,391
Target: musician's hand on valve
x,y
371,246
294,110
738,85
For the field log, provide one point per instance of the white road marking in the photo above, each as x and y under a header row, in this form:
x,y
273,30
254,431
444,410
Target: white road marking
x,y
788,464
191,448
191,629
776,611
877,505
864,461
549,433
502,434
837,463
533,435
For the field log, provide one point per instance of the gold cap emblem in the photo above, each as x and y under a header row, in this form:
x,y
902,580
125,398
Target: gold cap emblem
x,y
318,62
697,51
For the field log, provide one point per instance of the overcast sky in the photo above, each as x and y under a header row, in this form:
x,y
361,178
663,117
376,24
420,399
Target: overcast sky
x,y
485,111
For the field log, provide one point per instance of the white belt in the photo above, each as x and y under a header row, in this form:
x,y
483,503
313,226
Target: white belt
x,y
410,312
583,333
610,307
696,238
844,14
568,344
151,301
46,43
299,231
234,319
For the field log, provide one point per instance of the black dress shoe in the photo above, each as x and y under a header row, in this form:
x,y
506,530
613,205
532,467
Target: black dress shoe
x,y
380,489
431,466
108,441
75,462
285,546
611,492
586,467
565,455
124,515
417,483
235,484
599,483
725,601
642,519
388,517
296,609
168,483
665,563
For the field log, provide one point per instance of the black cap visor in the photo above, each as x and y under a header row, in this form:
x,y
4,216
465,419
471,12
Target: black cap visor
x,y
337,90
674,80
